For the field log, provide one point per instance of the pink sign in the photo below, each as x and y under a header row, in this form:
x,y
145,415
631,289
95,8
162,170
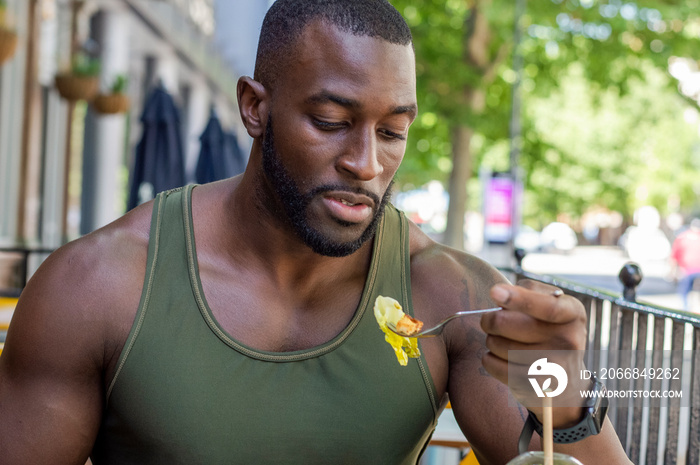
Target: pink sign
x,y
498,209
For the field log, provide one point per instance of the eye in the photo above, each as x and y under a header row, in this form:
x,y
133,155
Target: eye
x,y
328,125
392,135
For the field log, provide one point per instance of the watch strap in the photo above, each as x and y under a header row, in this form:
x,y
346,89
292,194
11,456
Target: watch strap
x,y
526,435
575,433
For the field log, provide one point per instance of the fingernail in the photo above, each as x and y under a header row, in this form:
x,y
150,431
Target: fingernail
x,y
500,295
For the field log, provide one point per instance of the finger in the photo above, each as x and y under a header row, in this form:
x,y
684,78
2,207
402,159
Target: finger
x,y
556,349
523,329
501,347
538,286
515,325
552,306
533,285
516,375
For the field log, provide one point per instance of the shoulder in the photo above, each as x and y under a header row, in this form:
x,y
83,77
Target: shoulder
x,y
86,294
99,262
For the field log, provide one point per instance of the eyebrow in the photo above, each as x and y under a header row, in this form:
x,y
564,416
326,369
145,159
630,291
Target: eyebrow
x,y
411,110
326,97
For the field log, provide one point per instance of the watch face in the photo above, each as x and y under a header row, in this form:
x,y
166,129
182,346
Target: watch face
x,y
599,408
598,415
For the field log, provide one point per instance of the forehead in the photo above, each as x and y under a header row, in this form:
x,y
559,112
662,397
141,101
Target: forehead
x,y
327,59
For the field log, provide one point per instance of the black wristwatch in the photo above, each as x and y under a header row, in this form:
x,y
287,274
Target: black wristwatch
x,y
596,407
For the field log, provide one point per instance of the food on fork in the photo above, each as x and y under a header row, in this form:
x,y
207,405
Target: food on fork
x,y
388,311
408,326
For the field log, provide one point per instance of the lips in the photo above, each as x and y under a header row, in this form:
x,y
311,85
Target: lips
x,y
349,207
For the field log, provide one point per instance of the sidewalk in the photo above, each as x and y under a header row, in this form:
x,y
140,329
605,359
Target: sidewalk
x,y
598,267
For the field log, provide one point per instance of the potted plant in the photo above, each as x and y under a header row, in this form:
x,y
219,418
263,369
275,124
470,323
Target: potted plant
x,y
82,81
8,37
115,101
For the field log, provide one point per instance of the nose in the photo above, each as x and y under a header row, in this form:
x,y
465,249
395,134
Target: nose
x,y
360,156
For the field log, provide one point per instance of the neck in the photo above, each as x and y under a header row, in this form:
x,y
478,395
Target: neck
x,y
258,237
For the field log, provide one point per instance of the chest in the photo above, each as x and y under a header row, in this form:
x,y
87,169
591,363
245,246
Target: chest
x,y
191,395
272,317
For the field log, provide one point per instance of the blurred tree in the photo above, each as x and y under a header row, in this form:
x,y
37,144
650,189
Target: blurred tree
x,y
592,147
464,56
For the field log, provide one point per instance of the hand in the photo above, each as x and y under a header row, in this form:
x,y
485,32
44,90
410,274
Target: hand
x,y
535,317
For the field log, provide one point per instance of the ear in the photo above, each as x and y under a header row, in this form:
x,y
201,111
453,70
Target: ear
x,y
253,105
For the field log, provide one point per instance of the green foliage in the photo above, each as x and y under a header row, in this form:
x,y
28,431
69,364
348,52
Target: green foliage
x,y
439,29
120,84
85,65
615,151
602,122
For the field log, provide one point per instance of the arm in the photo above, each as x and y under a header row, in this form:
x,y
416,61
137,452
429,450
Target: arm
x,y
50,384
60,342
535,319
463,363
443,282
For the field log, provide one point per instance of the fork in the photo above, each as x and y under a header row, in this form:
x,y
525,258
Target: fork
x,y
437,329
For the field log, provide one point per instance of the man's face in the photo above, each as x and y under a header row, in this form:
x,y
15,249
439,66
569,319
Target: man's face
x,y
341,109
295,204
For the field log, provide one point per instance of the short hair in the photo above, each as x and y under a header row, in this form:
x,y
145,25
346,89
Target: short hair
x,y
286,19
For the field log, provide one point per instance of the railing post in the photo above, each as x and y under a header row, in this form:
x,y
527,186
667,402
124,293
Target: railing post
x,y
630,276
519,255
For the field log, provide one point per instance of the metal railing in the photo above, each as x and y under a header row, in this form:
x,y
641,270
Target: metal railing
x,y
652,430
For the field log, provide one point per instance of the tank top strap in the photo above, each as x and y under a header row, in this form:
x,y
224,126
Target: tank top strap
x,y
166,220
394,277
393,256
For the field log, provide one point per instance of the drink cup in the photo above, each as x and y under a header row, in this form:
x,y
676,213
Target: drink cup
x,y
537,458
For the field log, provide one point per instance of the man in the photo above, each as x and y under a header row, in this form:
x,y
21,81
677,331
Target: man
x,y
232,322
685,259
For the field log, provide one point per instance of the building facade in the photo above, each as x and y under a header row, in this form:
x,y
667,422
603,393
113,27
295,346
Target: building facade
x,y
64,164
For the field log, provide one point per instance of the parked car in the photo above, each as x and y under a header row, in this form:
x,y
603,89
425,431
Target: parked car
x,y
558,237
645,243
528,239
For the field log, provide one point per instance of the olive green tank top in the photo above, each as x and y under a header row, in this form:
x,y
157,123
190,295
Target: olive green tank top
x,y
185,392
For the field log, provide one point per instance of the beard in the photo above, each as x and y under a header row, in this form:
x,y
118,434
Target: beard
x,y
295,204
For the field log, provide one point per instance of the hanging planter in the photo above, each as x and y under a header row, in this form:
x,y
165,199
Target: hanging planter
x,y
82,82
8,44
111,104
8,37
74,87
114,102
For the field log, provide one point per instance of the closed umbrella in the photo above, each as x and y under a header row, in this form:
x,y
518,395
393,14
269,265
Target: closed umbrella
x,y
239,159
159,161
217,157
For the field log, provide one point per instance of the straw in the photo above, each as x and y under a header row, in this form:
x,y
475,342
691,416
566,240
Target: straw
x,y
547,431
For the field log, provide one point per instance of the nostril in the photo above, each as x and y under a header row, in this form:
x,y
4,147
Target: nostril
x,y
364,168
